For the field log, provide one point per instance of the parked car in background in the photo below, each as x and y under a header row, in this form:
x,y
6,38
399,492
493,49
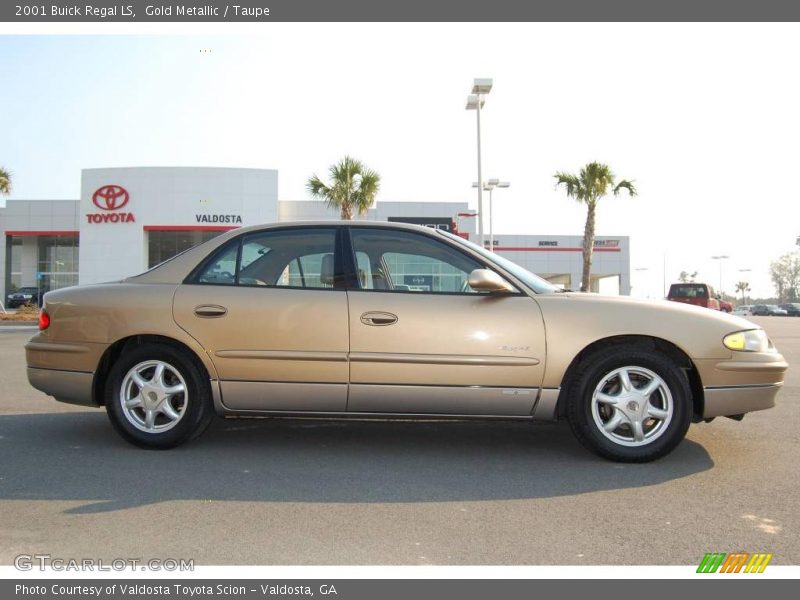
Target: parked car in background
x,y
743,310
725,306
24,296
386,320
699,294
768,310
792,309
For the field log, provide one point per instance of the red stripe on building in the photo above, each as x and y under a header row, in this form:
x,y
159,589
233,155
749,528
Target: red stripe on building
x,y
35,233
549,249
189,227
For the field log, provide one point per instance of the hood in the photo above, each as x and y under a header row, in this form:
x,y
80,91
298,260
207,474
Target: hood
x,y
586,318
662,306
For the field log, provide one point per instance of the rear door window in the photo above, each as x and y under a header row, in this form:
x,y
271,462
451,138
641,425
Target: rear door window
x,y
297,258
688,290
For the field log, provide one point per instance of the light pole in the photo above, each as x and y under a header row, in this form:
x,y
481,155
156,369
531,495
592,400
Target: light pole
x,y
720,258
489,187
475,101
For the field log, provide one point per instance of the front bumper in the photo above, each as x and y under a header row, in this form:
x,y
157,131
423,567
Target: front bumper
x,y
74,387
746,382
726,401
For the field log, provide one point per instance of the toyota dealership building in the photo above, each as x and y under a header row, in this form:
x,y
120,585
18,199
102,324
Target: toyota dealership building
x,y
130,219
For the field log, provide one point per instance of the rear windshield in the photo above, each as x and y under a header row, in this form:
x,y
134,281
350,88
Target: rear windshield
x,y
688,290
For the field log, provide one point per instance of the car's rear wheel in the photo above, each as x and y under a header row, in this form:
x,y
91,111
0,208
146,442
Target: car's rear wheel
x,y
158,396
629,404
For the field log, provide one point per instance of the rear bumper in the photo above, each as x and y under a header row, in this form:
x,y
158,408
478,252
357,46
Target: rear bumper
x,y
738,399
74,387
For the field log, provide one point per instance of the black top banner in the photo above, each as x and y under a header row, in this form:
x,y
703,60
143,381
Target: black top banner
x,y
134,11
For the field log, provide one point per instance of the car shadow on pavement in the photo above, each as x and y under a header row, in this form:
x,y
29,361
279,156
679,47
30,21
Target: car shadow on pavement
x,y
78,457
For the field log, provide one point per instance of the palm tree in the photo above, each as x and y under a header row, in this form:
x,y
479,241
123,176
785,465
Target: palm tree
x,y
593,182
5,181
743,287
352,187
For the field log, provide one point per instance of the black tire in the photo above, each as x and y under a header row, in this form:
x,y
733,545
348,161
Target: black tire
x,y
198,411
594,370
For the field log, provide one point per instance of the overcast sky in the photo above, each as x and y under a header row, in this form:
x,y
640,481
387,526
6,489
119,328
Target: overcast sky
x,y
703,117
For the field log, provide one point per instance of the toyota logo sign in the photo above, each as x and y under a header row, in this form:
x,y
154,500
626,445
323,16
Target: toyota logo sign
x,y
110,197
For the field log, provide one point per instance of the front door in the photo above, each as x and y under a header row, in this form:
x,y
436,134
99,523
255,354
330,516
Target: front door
x,y
422,341
273,318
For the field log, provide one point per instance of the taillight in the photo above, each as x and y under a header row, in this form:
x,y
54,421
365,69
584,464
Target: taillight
x,y
44,320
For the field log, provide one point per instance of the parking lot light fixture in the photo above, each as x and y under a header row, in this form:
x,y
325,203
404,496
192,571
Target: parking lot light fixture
x,y
481,86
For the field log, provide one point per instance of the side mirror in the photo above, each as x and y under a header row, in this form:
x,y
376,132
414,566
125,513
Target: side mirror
x,y
484,280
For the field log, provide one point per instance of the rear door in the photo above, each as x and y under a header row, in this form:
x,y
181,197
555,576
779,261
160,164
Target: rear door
x,y
271,312
422,341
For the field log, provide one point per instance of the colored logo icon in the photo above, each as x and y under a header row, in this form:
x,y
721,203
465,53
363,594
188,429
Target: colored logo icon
x,y
110,197
737,562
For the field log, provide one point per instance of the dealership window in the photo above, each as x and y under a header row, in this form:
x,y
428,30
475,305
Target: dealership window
x,y
45,262
163,245
13,263
57,261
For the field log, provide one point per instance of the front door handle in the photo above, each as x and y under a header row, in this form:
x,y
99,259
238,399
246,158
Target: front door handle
x,y
378,318
210,311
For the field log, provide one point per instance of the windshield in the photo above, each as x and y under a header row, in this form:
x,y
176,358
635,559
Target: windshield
x,y
534,282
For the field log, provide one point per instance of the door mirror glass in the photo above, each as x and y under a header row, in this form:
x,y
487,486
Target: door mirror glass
x,y
484,280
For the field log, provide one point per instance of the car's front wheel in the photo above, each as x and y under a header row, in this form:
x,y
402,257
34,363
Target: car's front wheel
x,y
157,396
629,404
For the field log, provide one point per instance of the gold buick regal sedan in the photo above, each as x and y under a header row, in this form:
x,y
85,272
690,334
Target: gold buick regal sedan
x,y
387,320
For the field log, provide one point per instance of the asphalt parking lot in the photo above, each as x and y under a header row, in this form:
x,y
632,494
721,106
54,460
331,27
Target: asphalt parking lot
x,y
307,492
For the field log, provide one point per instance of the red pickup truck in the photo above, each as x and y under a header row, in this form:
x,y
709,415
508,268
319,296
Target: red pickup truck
x,y
699,294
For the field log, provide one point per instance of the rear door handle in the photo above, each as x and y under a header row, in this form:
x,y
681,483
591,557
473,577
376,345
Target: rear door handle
x,y
210,311
378,318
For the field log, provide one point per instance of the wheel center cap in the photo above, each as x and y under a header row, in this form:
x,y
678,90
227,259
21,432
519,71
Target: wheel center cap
x,y
633,406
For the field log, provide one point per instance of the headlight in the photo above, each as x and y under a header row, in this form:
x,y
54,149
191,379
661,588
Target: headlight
x,y
754,340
